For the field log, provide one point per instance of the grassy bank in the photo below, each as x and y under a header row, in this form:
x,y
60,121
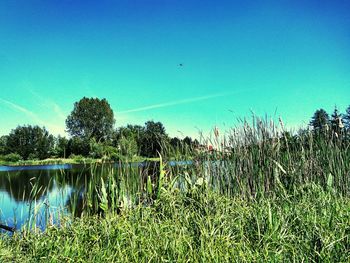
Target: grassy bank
x,y
75,160
51,161
310,225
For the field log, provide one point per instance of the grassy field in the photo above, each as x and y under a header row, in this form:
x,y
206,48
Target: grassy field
x,y
274,198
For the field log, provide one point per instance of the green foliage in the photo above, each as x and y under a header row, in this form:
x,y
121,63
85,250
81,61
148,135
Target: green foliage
x,y
91,118
185,149
175,142
188,141
146,141
97,150
311,225
11,157
153,139
79,158
134,131
30,140
103,151
79,146
276,197
128,146
347,118
61,147
320,122
3,145
115,156
128,139
336,122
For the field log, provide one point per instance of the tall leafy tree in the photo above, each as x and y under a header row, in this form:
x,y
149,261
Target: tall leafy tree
x,y
91,118
30,141
320,121
153,139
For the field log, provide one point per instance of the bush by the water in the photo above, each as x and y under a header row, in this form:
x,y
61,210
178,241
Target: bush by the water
x,y
11,157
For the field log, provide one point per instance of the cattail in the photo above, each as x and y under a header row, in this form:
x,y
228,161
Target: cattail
x,y
281,122
216,132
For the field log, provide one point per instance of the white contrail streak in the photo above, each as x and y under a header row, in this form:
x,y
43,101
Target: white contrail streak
x,y
19,108
49,104
173,103
177,102
52,127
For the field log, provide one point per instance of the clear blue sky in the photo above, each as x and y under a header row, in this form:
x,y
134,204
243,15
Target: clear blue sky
x,y
292,57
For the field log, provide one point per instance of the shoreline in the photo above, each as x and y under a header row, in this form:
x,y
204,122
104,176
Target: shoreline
x,y
65,161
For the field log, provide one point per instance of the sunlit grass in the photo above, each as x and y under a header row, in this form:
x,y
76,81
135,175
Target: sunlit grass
x,y
310,225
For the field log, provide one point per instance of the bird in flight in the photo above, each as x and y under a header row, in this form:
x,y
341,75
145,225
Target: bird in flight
x,y
181,65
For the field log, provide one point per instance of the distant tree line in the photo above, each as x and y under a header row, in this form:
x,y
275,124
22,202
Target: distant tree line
x,y
92,134
337,125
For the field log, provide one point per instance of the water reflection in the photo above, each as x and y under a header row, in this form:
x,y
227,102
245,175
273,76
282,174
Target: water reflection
x,y
42,193
23,185
39,194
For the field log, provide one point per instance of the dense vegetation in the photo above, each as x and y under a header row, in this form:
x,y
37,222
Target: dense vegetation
x,y
310,225
91,126
274,197
91,118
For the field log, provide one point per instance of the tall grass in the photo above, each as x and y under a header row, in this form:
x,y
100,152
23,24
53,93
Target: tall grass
x,y
311,225
265,158
262,195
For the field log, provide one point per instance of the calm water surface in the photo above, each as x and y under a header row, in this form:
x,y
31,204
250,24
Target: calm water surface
x,y
45,191
38,190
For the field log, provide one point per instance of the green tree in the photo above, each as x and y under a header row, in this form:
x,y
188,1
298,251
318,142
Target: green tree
x,y
195,143
153,139
128,146
91,118
320,121
61,147
97,149
132,133
347,118
79,146
30,141
188,141
3,143
175,142
336,121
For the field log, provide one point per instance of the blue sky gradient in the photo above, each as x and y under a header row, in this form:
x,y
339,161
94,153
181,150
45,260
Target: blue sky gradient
x,y
288,57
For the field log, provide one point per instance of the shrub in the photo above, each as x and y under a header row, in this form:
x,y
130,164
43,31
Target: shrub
x,y
33,156
116,157
77,158
11,157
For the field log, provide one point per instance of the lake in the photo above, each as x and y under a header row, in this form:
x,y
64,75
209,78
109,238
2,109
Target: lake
x,y
37,195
